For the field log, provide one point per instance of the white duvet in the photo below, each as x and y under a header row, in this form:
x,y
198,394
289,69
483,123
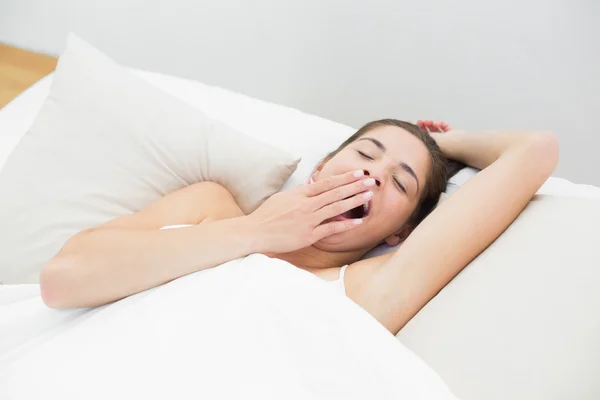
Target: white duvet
x,y
252,328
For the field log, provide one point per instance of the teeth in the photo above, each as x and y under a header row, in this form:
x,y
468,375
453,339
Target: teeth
x,y
366,207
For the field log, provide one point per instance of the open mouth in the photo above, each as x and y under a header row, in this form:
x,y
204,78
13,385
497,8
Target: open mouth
x,y
361,211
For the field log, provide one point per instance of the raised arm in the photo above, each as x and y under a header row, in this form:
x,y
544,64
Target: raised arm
x,y
514,166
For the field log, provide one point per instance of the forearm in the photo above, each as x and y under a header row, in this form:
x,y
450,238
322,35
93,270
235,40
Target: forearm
x,y
100,266
479,150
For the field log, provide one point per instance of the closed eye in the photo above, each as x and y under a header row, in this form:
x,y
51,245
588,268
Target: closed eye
x,y
400,185
365,155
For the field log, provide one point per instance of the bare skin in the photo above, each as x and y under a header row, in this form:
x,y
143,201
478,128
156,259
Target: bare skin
x,y
301,226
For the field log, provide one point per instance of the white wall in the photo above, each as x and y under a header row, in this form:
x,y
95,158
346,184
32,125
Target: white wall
x,y
476,64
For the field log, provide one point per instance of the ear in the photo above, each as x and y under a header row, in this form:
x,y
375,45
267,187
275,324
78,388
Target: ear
x,y
400,236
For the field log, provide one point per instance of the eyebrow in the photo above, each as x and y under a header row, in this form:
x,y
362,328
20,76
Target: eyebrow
x,y
403,165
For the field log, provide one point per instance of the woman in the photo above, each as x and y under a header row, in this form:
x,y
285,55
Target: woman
x,y
376,187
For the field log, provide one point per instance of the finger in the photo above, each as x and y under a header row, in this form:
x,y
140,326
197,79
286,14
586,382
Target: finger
x,y
432,126
340,207
437,126
331,228
429,126
333,182
342,192
446,127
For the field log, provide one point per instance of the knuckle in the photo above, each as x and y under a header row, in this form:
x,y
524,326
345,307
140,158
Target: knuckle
x,y
332,228
328,182
305,190
336,208
339,193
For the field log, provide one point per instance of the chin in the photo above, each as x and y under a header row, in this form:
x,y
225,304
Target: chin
x,y
344,241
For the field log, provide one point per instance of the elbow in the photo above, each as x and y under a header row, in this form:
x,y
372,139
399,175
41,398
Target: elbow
x,y
53,283
543,147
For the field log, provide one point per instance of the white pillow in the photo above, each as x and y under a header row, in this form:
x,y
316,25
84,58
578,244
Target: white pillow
x,y
522,321
106,143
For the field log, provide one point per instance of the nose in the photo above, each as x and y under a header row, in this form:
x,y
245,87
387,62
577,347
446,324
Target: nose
x,y
377,181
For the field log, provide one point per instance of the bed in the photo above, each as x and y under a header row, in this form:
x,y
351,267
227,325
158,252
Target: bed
x,y
421,337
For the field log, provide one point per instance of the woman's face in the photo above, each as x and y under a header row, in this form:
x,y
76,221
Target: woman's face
x,y
399,162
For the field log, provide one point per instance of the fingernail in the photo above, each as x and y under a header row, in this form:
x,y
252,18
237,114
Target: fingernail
x,y
357,221
367,195
359,173
369,182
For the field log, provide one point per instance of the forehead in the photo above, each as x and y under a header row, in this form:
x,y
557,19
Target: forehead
x,y
401,146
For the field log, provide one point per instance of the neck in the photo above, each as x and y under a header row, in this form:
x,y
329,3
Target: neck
x,y
313,258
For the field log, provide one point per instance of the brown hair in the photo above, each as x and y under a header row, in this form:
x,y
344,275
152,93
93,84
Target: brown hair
x,y
442,168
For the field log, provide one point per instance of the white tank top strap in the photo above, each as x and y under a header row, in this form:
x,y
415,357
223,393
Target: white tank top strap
x,y
340,282
342,272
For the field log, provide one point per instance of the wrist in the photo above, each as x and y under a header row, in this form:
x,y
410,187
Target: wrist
x,y
251,235
237,235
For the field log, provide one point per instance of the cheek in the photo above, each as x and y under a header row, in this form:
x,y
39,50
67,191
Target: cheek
x,y
395,208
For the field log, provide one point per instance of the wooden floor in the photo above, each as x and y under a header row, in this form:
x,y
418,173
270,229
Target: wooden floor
x,y
19,69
